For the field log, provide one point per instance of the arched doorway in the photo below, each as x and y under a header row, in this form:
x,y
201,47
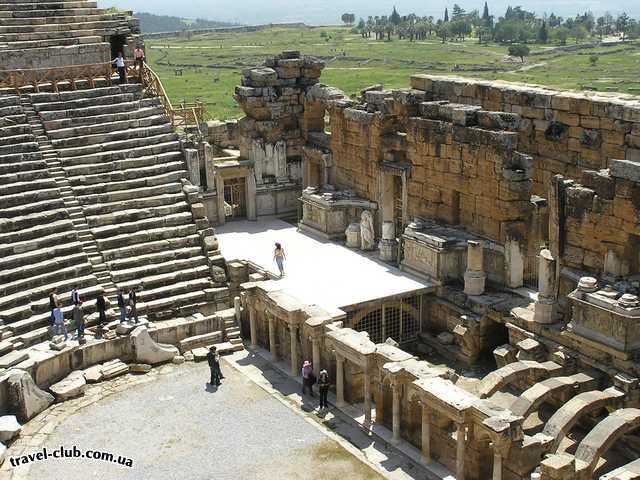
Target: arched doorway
x,y
399,320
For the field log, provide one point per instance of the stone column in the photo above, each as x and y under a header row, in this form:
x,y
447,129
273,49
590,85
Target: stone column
x,y
474,277
192,159
253,327
379,398
396,413
497,466
388,245
367,398
460,450
250,185
237,307
426,434
315,355
545,305
293,336
272,337
405,200
220,194
340,380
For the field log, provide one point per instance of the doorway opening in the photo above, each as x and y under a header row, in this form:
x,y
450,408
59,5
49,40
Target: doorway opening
x,y
235,198
118,43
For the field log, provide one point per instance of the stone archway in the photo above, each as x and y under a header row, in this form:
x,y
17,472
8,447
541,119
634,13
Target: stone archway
x,y
399,320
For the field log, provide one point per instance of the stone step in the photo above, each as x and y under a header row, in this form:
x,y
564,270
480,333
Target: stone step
x,y
37,237
11,37
150,241
103,232
26,303
134,193
156,270
15,226
113,212
117,145
21,187
113,369
42,267
8,262
17,148
27,207
99,170
226,348
92,111
106,127
113,136
23,166
59,24
56,42
167,284
175,302
199,341
12,161
105,187
82,268
72,126
84,102
15,139
148,174
167,254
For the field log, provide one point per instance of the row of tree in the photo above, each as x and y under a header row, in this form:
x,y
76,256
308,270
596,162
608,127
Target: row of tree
x,y
515,26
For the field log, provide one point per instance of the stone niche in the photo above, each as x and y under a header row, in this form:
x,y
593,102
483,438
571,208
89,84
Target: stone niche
x,y
329,213
606,316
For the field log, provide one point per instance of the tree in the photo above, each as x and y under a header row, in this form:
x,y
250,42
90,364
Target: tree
x,y
444,29
485,13
593,60
446,15
519,51
362,28
622,25
348,18
562,33
458,12
579,32
543,33
395,17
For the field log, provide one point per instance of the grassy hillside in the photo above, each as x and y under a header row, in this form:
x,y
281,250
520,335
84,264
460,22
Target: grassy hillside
x,y
211,64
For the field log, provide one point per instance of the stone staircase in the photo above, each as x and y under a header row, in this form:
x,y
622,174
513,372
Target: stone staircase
x,y
50,156
39,247
124,166
36,24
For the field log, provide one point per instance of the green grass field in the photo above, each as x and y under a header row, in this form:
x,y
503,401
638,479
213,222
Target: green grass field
x,y
211,64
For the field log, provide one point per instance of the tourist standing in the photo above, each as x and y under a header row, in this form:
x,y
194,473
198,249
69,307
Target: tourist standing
x,y
59,325
75,296
120,67
54,303
323,387
138,55
308,378
133,305
122,306
214,365
279,257
78,318
101,307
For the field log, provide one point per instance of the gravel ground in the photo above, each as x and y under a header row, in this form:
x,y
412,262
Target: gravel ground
x,y
177,427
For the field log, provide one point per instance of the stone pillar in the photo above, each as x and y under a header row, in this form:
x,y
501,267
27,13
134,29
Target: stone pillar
x,y
426,434
315,355
237,307
545,305
474,277
388,245
250,186
405,200
379,399
210,177
367,398
460,450
253,327
340,380
293,336
272,337
220,194
497,466
192,159
396,413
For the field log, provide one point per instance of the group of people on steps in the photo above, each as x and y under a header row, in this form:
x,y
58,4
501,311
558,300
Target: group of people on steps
x,y
128,306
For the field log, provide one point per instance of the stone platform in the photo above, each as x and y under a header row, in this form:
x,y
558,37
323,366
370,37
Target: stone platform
x,y
318,272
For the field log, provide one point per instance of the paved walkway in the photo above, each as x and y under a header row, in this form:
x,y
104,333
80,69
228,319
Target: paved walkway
x,y
317,271
177,427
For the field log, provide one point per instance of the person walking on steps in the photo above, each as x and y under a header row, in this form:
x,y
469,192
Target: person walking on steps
x,y
214,365
75,296
122,306
279,257
138,56
308,378
120,67
78,318
133,305
54,302
101,307
59,324
323,387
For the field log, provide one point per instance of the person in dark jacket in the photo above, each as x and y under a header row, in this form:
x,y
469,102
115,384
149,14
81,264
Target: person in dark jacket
x,y
78,318
122,306
214,365
54,302
101,307
133,305
323,386
75,296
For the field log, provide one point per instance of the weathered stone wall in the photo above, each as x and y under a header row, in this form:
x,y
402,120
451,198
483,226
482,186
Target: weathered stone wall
x,y
565,132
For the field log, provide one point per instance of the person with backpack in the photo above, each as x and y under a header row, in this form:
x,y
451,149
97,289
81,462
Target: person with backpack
x,y
122,306
308,378
133,305
214,365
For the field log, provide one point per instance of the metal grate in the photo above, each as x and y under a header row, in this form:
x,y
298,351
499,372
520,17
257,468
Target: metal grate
x,y
372,324
397,320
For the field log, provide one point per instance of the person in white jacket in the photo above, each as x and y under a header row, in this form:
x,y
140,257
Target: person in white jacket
x,y
120,66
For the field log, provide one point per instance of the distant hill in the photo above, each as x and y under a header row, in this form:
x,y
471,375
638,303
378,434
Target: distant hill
x,y
151,23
